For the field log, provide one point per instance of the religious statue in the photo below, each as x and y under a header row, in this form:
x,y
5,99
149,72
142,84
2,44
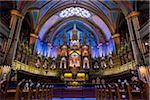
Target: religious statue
x,y
63,63
97,80
45,66
96,65
38,63
53,65
23,52
74,60
19,51
86,63
93,81
26,86
110,60
103,63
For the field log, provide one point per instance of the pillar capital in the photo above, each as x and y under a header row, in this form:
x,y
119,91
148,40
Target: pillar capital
x,y
33,35
16,13
116,38
33,38
132,14
115,35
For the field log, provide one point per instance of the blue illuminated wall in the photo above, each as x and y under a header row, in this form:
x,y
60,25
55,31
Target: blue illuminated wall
x,y
58,39
44,49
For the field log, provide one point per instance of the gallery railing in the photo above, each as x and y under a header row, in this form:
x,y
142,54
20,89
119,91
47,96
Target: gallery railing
x,y
116,69
16,65
119,69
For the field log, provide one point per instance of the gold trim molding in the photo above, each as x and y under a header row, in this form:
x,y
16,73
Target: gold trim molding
x,y
33,35
133,14
116,35
16,13
16,65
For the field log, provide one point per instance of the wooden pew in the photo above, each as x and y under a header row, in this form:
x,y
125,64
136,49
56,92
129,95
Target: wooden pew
x,y
101,92
110,92
50,92
146,91
105,92
117,92
47,90
19,89
37,94
97,94
30,93
123,90
43,91
129,91
3,89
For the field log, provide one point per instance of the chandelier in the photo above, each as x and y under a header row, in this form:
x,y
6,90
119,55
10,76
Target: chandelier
x,y
75,11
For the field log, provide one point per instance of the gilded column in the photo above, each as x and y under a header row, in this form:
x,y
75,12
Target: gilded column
x,y
135,48
15,37
15,43
116,38
33,38
13,22
134,17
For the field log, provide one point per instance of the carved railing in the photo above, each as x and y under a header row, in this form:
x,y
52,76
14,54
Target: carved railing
x,y
16,65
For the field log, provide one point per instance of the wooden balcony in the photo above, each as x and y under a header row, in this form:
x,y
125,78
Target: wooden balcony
x,y
16,65
119,69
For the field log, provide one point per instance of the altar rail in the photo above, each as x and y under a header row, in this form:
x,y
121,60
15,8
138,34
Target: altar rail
x,y
16,65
